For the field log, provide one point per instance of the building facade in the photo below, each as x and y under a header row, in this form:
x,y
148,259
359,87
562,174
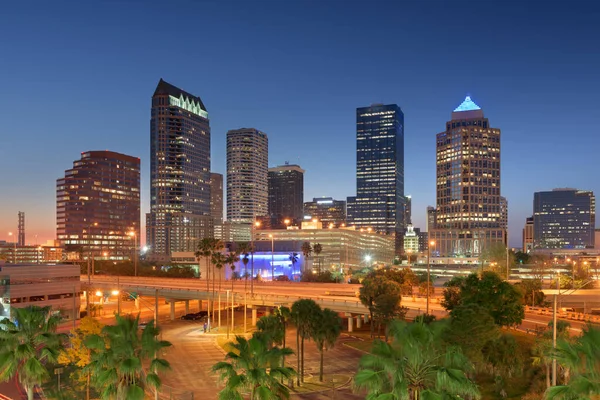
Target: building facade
x,y
431,216
379,202
411,240
408,210
327,210
216,198
98,205
247,175
54,285
528,235
180,211
503,213
342,247
468,211
564,219
286,193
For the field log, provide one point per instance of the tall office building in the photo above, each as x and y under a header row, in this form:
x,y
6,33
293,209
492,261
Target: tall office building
x,y
503,213
528,235
327,210
286,192
216,198
469,216
180,213
98,206
379,202
564,219
247,171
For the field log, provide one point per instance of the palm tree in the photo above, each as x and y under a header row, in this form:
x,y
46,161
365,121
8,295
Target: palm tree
x,y
306,252
204,250
294,259
26,344
126,362
326,331
244,250
253,367
415,365
219,260
304,314
318,248
582,359
542,348
285,315
230,260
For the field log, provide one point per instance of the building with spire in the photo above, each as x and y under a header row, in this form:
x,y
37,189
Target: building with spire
x,y
180,211
469,217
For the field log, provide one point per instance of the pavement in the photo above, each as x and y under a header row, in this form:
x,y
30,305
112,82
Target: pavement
x,y
194,353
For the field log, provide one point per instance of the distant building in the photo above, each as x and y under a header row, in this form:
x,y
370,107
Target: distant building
x,y
233,232
379,203
286,193
247,175
407,211
34,254
216,197
597,239
342,247
54,285
468,211
180,210
503,212
21,232
423,241
564,219
411,240
327,210
98,206
528,235
431,212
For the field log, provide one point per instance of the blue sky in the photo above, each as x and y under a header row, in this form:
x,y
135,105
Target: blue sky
x,y
79,76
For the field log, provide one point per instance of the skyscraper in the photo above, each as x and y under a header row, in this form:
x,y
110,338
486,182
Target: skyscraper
x,y
528,235
98,206
247,166
286,192
564,219
216,197
327,210
379,202
469,217
408,211
431,216
503,213
180,213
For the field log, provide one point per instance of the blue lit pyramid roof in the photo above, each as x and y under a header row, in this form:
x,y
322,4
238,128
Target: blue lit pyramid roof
x,y
467,105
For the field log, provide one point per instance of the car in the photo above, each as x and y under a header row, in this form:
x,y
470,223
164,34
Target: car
x,y
195,316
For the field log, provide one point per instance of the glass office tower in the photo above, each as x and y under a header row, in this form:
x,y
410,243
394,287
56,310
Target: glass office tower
x,y
379,203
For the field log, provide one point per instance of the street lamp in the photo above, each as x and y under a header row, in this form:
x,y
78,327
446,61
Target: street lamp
x,y
287,222
89,266
15,250
272,258
135,263
431,244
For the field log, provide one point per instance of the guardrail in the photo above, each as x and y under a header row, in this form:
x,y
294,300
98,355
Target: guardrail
x,y
575,316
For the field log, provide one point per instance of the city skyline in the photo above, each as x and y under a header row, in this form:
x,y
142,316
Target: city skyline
x,y
534,102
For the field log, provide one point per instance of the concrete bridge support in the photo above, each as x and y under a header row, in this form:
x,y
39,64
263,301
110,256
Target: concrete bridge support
x,y
172,304
358,322
350,323
254,317
187,306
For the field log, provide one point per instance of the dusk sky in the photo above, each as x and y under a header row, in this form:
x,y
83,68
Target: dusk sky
x,y
79,77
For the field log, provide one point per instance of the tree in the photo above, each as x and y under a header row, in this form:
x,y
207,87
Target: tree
x,y
318,248
471,327
252,365
26,344
126,362
542,348
500,298
230,260
503,357
244,250
272,327
306,251
77,353
326,331
495,256
285,315
582,359
404,277
522,258
205,250
382,298
531,290
219,260
304,314
294,259
415,365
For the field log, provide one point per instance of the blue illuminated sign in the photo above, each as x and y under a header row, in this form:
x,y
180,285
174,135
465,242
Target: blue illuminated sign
x,y
467,105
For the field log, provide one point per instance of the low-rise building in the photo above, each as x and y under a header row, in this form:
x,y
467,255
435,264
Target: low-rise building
x,y
55,285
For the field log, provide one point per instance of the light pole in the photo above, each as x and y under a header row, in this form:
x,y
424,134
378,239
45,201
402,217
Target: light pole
x,y
254,224
272,257
432,243
135,251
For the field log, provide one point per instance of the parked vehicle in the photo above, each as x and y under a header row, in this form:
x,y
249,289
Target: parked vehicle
x,y
195,316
